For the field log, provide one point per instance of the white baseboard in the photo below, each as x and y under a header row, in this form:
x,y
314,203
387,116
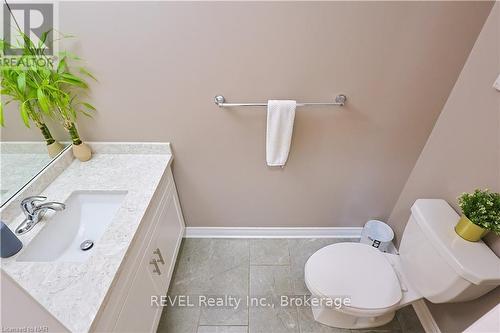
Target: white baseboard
x,y
425,317
221,232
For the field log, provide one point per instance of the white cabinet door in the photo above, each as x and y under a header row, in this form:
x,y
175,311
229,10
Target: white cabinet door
x,y
166,240
153,274
137,314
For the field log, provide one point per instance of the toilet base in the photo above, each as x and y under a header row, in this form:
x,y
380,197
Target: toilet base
x,y
334,318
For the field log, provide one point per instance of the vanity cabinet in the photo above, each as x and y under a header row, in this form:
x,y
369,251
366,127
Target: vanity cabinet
x,y
147,268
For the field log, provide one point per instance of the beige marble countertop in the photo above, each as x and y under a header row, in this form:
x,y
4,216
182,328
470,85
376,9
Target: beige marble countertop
x,y
73,292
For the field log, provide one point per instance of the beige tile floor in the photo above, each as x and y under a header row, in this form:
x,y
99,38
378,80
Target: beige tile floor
x,y
254,268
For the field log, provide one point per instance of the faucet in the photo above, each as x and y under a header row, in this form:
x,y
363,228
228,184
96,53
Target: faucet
x,y
34,211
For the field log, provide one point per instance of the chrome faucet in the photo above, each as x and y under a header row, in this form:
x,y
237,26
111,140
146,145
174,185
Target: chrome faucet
x,y
34,211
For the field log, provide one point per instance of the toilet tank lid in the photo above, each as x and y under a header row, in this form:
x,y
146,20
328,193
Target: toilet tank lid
x,y
474,261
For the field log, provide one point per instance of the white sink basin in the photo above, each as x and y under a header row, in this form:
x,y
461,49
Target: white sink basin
x,y
86,217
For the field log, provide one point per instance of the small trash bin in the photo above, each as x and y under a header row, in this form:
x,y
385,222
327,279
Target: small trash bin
x,y
377,234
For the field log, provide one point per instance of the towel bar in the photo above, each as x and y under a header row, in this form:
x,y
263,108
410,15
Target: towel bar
x,y
340,100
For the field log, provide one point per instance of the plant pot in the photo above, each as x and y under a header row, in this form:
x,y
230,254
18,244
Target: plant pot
x,y
54,149
468,230
82,152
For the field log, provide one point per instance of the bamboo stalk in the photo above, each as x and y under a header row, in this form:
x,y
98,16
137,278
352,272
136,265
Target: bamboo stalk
x,y
73,133
46,133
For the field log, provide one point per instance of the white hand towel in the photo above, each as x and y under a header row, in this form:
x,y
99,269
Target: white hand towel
x,y
496,85
280,116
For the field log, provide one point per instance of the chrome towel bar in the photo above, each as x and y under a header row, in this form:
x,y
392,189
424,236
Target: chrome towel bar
x,y
340,100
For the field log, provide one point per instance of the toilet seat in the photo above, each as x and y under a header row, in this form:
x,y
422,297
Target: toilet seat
x,y
355,271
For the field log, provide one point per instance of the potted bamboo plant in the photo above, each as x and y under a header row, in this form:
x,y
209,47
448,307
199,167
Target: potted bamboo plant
x,y
480,214
57,93
62,89
17,85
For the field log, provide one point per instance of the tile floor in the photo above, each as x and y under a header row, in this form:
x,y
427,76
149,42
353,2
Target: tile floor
x,y
251,267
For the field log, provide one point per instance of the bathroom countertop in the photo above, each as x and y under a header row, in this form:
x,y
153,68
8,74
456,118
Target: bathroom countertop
x,y
74,292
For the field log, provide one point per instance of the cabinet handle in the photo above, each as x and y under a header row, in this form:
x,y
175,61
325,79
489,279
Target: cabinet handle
x,y
156,269
160,257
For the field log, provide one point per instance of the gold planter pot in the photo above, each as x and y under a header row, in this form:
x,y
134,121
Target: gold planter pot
x,y
82,152
54,149
468,230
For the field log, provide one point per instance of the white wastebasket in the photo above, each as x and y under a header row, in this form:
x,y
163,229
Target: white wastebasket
x,y
377,234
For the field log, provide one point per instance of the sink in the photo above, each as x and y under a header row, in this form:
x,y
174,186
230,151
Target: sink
x,y
86,217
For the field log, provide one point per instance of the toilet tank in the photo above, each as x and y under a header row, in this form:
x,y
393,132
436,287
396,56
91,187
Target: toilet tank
x,y
439,264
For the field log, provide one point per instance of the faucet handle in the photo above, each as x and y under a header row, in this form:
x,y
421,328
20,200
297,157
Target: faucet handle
x,y
28,204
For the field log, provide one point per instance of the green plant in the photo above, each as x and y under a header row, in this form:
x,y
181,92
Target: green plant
x,y
16,82
482,208
58,89
62,90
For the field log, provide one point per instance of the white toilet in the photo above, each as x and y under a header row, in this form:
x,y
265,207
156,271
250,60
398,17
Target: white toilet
x,y
433,263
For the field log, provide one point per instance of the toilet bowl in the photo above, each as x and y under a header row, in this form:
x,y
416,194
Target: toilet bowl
x,y
434,263
366,279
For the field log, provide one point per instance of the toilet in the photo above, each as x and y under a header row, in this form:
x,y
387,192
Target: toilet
x,y
433,263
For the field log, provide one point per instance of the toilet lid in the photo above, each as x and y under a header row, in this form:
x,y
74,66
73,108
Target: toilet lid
x,y
356,271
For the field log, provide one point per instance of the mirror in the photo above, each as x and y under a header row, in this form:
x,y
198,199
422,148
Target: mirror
x,y
20,163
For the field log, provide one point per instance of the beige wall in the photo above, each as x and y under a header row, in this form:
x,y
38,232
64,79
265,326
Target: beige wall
x,y
461,154
160,64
